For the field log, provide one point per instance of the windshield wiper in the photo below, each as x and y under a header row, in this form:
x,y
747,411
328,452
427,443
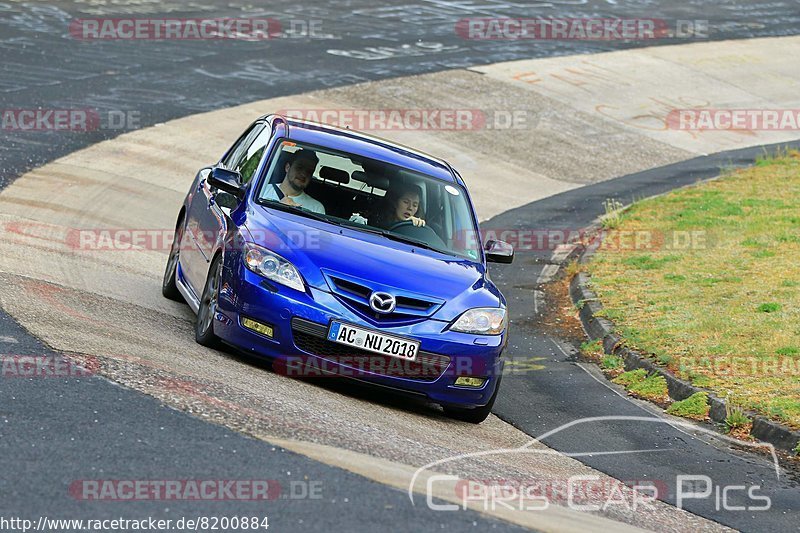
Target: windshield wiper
x,y
298,211
410,240
393,236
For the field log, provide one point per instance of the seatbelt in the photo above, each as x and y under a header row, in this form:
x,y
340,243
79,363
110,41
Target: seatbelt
x,y
278,191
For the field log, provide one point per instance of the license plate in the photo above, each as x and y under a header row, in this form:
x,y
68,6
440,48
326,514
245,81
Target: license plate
x,y
373,341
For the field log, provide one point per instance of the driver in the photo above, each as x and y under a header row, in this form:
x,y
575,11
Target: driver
x,y
401,204
291,191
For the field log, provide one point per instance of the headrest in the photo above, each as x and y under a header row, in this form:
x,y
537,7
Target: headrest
x,y
379,182
334,174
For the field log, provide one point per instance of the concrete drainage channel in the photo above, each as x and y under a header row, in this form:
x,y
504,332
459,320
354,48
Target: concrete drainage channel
x,y
108,300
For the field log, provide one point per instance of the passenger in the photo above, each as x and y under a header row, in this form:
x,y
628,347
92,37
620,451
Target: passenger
x,y
401,204
291,191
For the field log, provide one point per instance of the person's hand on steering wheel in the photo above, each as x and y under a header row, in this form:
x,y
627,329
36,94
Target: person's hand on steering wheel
x,y
412,221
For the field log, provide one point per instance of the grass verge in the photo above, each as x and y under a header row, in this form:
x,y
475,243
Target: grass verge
x,y
706,281
695,407
639,384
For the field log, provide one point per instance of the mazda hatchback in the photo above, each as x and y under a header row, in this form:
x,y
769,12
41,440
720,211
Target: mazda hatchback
x,y
338,254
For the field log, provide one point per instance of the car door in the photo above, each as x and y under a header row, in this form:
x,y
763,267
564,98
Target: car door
x,y
206,221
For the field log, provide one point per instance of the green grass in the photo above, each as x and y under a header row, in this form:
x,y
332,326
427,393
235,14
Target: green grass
x,y
572,269
797,449
735,418
638,383
613,214
594,347
654,387
695,407
645,262
722,281
664,359
626,379
611,362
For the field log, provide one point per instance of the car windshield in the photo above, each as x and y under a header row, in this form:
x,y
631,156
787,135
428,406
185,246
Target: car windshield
x,y
373,196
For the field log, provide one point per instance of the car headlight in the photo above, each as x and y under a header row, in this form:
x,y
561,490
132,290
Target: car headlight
x,y
481,321
272,266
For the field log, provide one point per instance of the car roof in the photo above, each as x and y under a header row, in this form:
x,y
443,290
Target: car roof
x,y
365,145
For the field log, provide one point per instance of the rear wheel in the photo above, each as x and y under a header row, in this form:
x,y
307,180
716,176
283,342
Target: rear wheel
x,y
475,415
204,327
169,286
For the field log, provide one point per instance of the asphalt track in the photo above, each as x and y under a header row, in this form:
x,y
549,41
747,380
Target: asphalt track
x,y
55,432
559,402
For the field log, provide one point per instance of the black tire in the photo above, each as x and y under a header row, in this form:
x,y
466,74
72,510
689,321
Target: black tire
x,y
474,415
169,287
204,326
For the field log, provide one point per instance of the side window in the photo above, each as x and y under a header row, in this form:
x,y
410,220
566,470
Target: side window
x,y
252,156
235,157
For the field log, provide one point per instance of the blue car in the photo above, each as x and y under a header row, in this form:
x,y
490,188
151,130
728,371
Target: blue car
x,y
339,254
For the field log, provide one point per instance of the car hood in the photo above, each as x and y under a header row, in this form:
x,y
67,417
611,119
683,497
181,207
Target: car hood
x,y
323,251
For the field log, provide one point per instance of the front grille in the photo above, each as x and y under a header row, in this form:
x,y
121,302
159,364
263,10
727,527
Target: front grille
x,y
356,295
404,302
352,288
311,337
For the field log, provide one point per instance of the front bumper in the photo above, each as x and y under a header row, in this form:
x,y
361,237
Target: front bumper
x,y
298,344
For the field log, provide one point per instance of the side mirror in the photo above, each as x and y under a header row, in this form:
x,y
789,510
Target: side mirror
x,y
499,252
226,180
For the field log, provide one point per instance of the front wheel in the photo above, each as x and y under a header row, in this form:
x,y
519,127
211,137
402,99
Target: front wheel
x,y
475,415
204,327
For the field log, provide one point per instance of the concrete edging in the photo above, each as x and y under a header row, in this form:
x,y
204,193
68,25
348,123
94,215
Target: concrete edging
x,y
599,328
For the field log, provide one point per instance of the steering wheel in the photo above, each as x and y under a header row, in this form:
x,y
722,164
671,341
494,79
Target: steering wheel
x,y
422,233
401,224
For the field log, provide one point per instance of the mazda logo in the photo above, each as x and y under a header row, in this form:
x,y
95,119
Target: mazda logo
x,y
382,302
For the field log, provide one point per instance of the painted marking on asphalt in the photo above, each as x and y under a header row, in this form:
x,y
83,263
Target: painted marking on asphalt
x,y
548,272
536,295
680,427
567,349
561,252
8,340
